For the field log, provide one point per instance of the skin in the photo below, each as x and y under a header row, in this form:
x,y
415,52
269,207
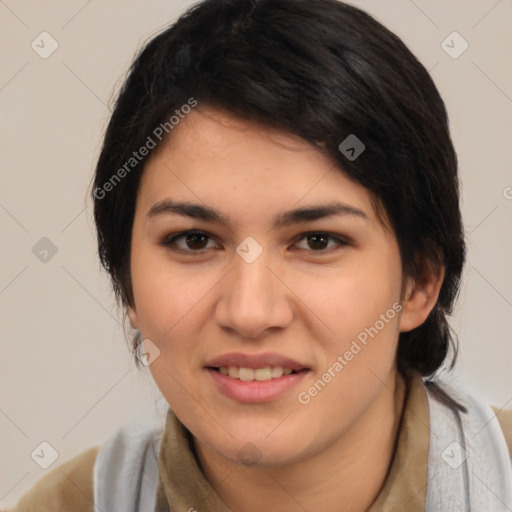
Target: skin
x,y
302,299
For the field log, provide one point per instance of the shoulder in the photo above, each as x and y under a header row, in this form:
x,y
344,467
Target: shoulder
x,y
469,461
479,414
480,419
67,487
126,470
505,420
121,471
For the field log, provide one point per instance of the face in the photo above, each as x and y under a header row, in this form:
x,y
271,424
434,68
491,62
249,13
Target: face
x,y
272,282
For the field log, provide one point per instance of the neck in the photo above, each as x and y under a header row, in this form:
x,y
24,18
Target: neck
x,y
346,476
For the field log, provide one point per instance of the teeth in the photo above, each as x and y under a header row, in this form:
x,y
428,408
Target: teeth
x,y
234,372
259,374
262,374
246,374
277,371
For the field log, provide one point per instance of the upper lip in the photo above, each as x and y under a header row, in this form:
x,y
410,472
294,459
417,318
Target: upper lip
x,y
255,361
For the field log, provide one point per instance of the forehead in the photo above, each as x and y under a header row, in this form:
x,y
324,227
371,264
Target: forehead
x,y
243,167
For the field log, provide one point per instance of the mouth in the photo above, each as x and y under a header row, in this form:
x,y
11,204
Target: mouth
x,y
255,378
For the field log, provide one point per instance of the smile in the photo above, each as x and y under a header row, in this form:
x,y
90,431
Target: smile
x,y
259,374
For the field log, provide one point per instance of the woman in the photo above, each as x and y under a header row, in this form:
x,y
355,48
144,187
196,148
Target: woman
x,y
277,205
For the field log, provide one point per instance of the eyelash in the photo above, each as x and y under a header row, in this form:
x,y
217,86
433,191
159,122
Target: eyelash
x,y
170,240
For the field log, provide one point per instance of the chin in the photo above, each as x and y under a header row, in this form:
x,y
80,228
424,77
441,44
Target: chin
x,y
248,449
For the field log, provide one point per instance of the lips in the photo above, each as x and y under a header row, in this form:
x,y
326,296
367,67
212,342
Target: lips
x,y
255,378
255,361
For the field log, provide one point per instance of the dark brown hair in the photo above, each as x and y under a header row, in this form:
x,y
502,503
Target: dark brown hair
x,y
320,69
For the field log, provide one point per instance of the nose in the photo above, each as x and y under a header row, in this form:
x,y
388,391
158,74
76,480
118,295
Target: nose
x,y
253,298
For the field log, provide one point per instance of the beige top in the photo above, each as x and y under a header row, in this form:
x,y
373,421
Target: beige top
x,y
69,487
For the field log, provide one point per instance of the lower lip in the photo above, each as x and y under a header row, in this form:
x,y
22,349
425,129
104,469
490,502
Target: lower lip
x,y
255,391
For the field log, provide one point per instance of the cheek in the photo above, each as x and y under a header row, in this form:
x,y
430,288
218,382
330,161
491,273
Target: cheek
x,y
171,311
166,297
361,309
355,362
348,302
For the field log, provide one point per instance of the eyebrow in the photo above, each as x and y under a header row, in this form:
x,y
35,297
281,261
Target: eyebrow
x,y
287,218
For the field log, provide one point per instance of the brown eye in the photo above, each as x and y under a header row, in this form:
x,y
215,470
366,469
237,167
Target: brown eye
x,y
196,240
319,242
188,242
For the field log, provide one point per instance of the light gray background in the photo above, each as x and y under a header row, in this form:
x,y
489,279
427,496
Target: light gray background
x,y
67,377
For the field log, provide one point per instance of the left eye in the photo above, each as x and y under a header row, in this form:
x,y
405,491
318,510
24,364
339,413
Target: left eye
x,y
321,241
197,241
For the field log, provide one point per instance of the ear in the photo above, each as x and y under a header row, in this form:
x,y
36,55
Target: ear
x,y
420,297
134,321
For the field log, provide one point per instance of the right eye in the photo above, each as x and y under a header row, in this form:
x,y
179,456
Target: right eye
x,y
192,242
